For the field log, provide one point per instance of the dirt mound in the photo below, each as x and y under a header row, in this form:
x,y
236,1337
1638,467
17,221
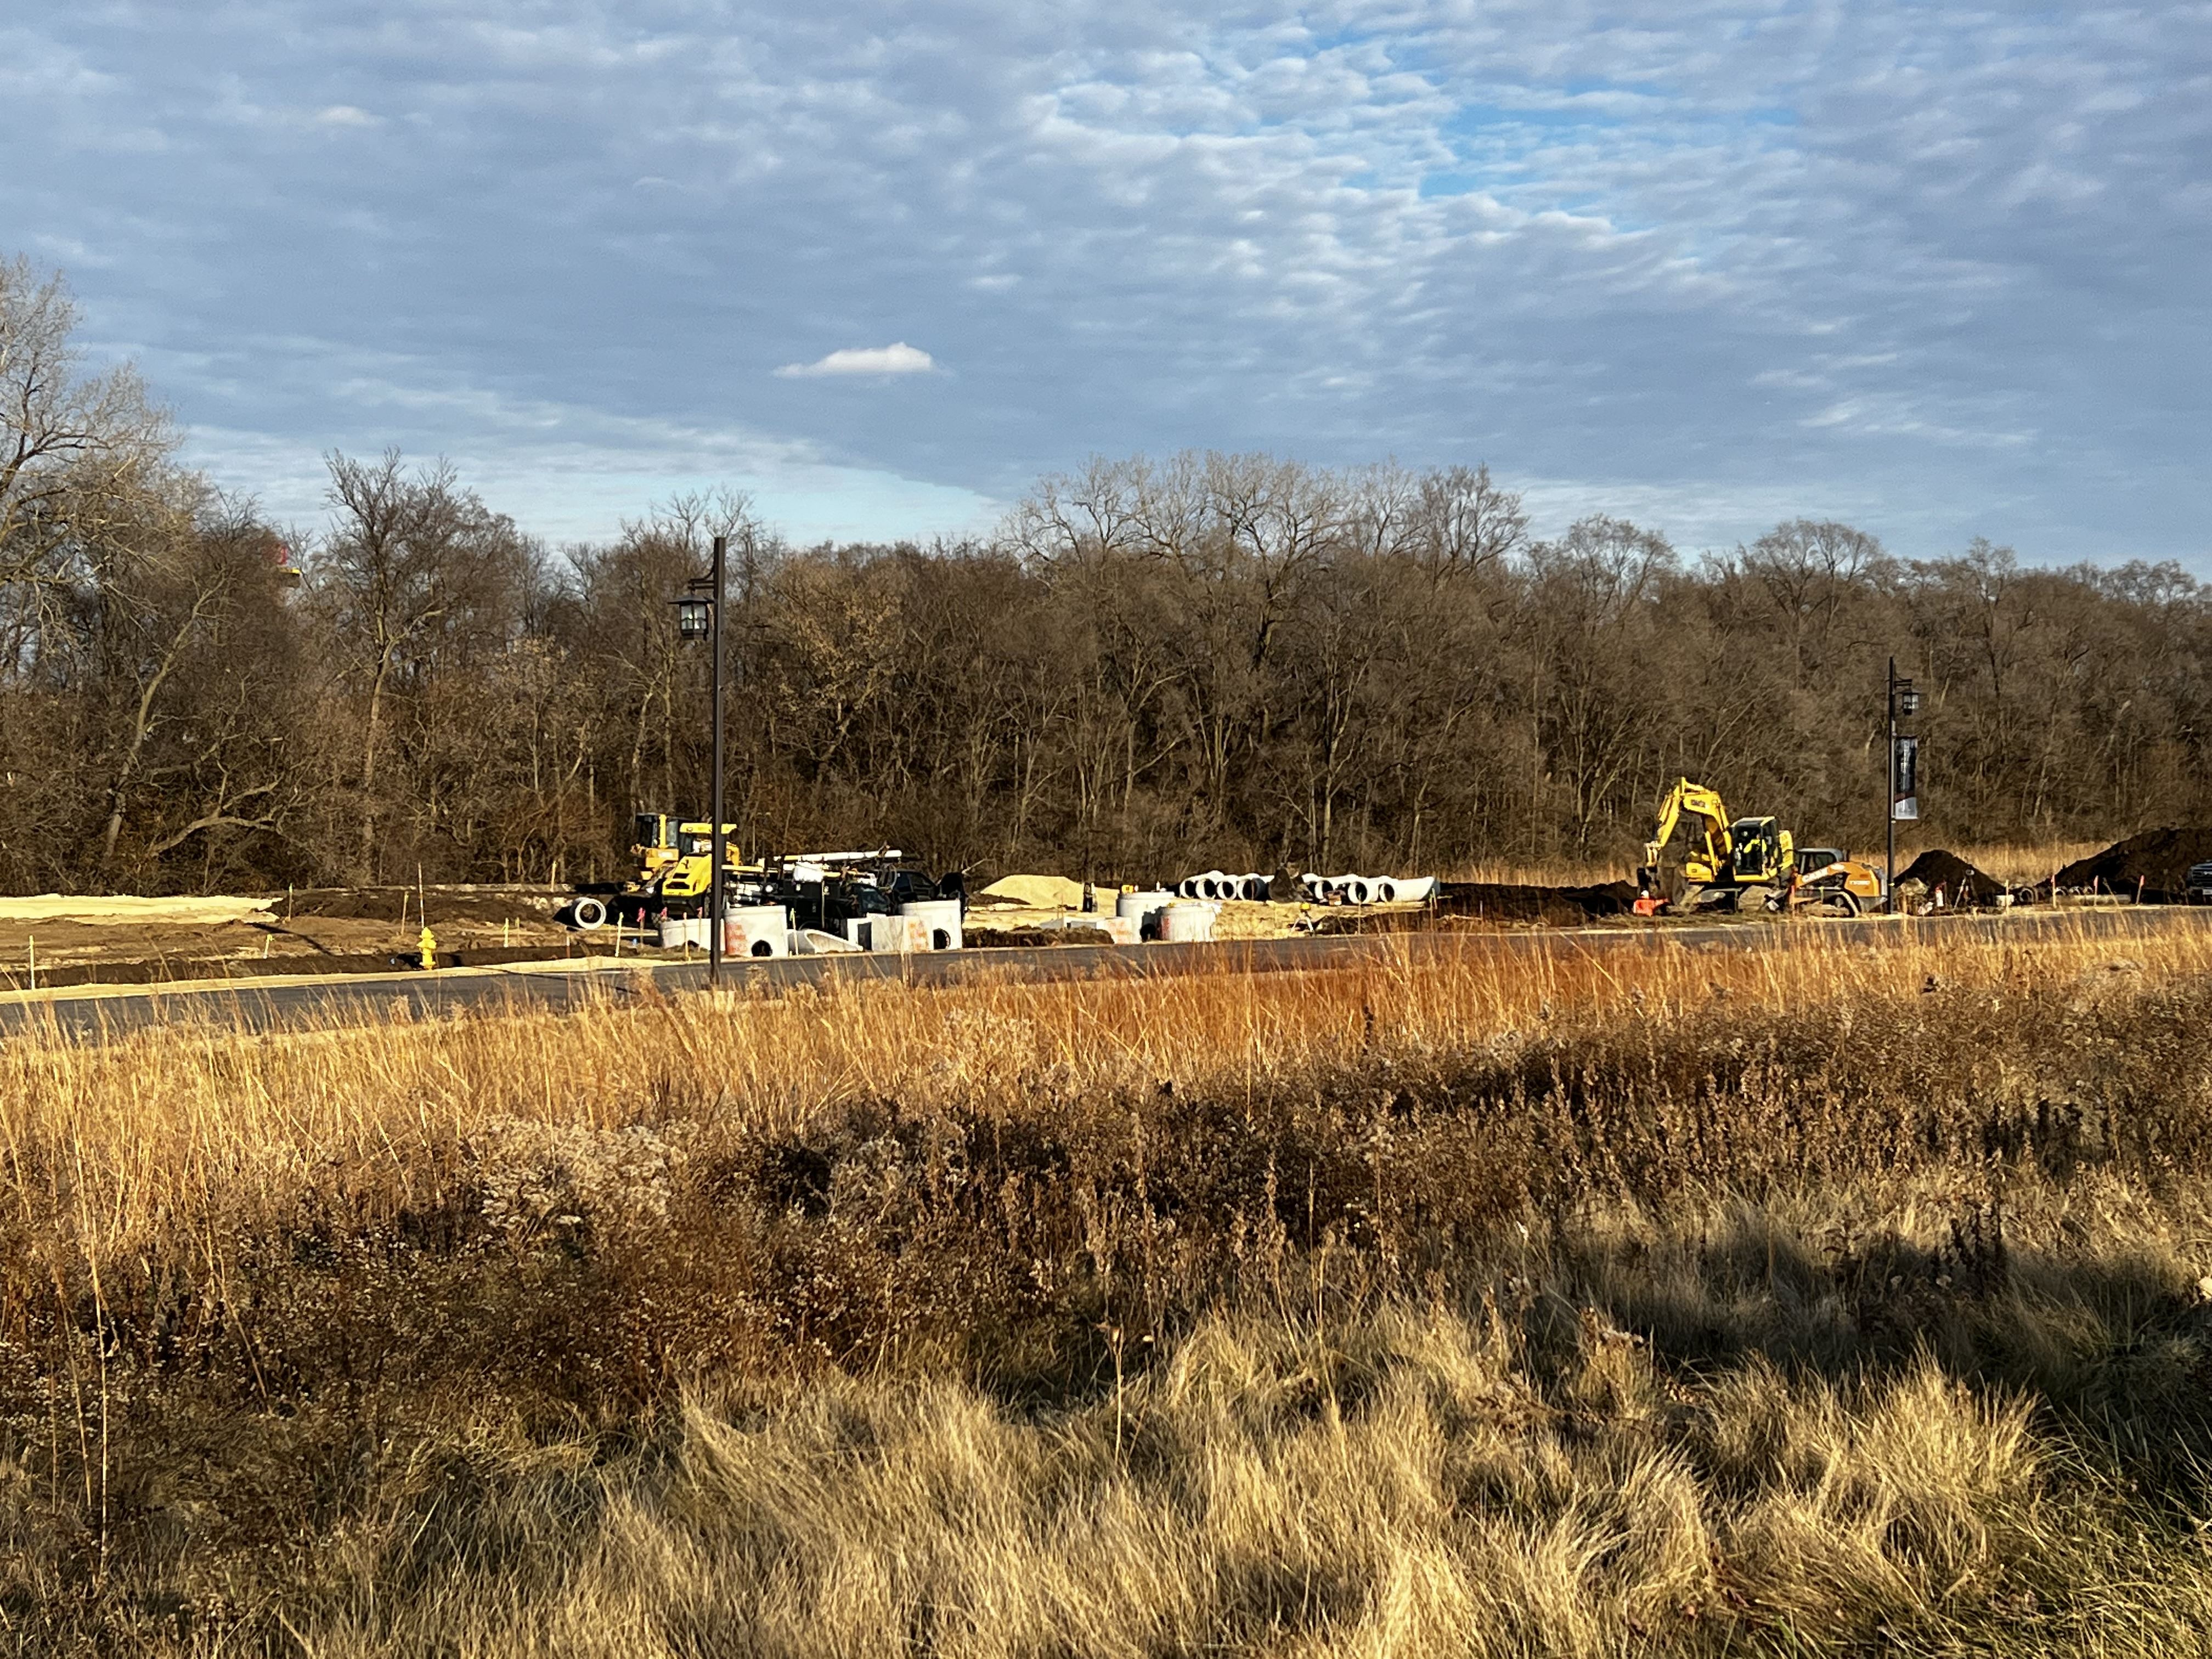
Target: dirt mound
x,y
184,912
1962,883
997,938
1038,892
1558,907
2154,863
447,905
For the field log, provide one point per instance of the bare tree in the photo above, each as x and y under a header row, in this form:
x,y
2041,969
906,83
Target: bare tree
x,y
413,557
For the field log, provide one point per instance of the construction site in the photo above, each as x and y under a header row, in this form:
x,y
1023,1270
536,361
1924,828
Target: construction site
x,y
1701,867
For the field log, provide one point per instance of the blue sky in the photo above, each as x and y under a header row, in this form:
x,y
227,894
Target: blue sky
x,y
1938,269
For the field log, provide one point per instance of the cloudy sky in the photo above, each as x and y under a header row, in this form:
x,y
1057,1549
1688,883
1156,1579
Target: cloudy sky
x,y
1940,270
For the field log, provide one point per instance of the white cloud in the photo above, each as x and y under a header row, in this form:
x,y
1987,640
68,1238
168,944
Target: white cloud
x,y
898,358
1941,258
344,115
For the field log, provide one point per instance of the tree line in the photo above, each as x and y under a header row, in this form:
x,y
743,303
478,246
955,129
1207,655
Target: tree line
x,y
1154,664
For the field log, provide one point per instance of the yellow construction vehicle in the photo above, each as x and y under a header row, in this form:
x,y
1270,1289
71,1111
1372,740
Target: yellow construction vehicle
x,y
1729,857
675,874
1739,855
676,859
1827,877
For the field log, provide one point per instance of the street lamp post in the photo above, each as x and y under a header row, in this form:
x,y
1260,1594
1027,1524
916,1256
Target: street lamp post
x,y
699,615
1900,795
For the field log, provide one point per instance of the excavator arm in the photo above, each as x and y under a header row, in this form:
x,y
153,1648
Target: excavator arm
x,y
1701,803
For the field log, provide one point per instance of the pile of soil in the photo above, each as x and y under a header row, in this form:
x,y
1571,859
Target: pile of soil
x,y
1373,921
91,909
448,905
1556,906
1037,892
994,938
2155,863
1962,883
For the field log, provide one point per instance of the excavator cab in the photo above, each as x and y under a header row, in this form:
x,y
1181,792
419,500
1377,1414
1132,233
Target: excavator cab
x,y
1761,851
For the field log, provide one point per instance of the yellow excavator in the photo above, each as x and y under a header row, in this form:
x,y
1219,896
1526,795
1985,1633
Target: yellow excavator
x,y
1735,856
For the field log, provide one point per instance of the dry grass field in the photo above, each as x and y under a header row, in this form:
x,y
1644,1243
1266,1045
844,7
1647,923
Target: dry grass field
x,y
1820,1301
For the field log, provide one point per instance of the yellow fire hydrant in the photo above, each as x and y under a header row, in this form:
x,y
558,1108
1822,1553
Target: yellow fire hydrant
x,y
429,944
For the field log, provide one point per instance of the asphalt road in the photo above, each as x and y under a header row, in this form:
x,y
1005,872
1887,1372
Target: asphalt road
x,y
358,999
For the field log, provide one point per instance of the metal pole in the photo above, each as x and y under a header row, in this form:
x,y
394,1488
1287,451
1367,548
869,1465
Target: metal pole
x,y
1889,801
714,690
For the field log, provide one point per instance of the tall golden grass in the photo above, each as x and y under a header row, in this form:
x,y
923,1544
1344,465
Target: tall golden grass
x,y
1510,1299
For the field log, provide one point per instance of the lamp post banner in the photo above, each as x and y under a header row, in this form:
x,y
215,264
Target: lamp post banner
x,y
1905,780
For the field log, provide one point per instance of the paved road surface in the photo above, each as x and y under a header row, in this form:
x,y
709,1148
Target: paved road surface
x,y
89,1012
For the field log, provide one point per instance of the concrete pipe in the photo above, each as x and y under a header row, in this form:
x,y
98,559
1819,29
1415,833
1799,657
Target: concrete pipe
x,y
588,912
941,917
756,930
1142,909
1187,924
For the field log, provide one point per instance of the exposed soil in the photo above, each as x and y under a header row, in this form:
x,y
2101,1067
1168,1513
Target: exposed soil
x,y
93,909
95,941
1962,883
994,938
2153,865
1556,906
400,904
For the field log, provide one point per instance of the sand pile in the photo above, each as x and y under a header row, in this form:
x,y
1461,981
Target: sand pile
x,y
116,909
1962,883
2154,863
1037,892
